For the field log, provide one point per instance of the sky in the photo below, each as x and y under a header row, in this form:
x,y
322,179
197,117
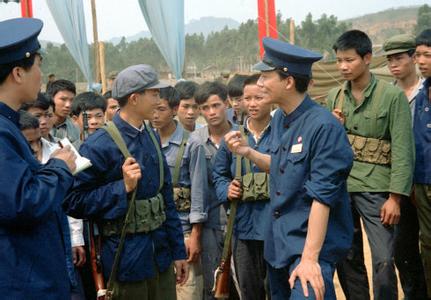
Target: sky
x,y
124,18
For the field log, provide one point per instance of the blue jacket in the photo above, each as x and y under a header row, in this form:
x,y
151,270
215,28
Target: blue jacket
x,y
33,249
311,160
422,134
252,218
99,194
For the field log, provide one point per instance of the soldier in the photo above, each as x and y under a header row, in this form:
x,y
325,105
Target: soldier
x,y
422,134
251,217
127,161
34,239
309,161
376,116
399,51
112,106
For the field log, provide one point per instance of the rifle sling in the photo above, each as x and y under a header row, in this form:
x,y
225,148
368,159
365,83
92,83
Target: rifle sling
x,y
233,207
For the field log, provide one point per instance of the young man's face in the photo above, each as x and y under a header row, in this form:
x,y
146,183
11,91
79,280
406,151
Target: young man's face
x,y
63,103
163,115
351,65
188,112
423,59
111,109
272,87
45,118
95,119
401,65
147,102
214,110
32,135
32,80
255,103
238,104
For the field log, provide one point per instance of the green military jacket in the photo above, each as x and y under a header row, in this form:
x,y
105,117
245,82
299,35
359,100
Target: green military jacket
x,y
390,121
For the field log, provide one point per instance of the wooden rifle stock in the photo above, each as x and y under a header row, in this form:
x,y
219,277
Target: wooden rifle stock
x,y
222,279
96,265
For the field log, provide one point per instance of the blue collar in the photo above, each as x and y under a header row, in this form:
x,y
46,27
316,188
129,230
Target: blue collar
x,y
125,127
9,113
303,107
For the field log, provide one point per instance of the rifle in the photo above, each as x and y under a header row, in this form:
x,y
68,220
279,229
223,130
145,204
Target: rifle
x,y
96,265
222,273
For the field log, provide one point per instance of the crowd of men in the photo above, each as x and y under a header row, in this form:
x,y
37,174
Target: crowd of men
x,y
272,183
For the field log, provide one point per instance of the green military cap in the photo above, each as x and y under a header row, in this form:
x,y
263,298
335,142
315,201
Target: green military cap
x,y
398,44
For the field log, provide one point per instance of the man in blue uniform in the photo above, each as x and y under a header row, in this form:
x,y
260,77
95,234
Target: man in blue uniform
x,y
310,160
34,239
154,239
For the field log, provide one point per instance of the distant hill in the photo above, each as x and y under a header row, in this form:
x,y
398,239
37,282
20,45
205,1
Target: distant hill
x,y
382,25
204,25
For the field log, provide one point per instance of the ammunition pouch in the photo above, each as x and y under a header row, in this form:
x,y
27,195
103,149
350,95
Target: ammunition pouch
x,y
149,214
182,199
255,187
370,150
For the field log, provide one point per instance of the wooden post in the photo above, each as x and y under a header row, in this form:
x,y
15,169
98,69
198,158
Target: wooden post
x,y
96,43
292,31
102,66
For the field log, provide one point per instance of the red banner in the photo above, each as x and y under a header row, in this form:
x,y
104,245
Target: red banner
x,y
266,21
26,9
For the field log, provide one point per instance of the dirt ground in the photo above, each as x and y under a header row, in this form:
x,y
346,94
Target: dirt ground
x,y
367,254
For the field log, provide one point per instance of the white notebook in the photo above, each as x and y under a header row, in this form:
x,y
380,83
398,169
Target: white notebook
x,y
81,162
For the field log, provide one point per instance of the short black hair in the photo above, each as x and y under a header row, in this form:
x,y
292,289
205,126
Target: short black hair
x,y
60,85
25,63
235,85
354,39
87,101
42,102
171,95
107,95
186,89
209,88
251,80
27,120
301,81
424,38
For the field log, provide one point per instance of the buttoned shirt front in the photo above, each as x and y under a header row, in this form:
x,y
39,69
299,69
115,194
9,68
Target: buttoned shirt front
x,y
170,149
391,122
422,133
310,160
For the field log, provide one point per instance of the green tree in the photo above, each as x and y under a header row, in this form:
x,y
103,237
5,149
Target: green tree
x,y
424,18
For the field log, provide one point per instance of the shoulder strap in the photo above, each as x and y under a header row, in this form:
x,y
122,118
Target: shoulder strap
x,y
246,160
179,158
117,138
159,154
339,97
232,215
119,141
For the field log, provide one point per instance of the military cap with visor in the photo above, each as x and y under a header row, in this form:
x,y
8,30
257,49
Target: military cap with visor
x,y
18,39
286,57
398,44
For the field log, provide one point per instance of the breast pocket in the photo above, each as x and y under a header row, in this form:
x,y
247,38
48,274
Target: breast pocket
x,y
296,164
376,124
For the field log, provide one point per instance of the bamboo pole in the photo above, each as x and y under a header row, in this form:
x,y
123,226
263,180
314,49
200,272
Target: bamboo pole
x,y
292,31
96,43
102,66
